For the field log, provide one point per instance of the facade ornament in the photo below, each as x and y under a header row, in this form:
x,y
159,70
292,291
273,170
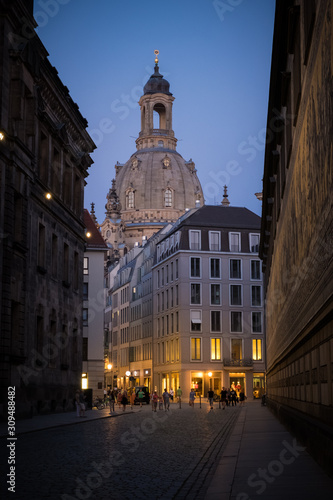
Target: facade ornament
x,y
166,162
225,202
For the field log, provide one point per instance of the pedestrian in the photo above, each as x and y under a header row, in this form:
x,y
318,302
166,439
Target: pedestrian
x,y
171,395
179,394
124,400
233,397
141,395
242,397
119,398
132,399
152,400
166,400
192,398
228,397
223,397
104,394
210,396
112,398
155,400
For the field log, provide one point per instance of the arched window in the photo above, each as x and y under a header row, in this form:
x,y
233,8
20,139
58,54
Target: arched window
x,y
130,199
168,198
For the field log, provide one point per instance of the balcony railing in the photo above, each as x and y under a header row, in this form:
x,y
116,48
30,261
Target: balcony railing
x,y
238,362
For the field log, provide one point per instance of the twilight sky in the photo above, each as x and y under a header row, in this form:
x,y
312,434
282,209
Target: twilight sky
x,y
216,54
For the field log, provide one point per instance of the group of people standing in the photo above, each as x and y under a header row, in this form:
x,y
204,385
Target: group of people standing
x,y
229,397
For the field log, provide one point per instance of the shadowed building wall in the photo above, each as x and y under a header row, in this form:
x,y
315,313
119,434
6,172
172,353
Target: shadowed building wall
x,y
296,232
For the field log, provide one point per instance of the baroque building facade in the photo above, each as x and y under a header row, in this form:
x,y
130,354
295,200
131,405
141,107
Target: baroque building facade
x,y
296,232
186,309
156,185
44,160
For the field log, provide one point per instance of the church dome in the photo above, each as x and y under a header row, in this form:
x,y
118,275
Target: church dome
x,y
157,184
157,84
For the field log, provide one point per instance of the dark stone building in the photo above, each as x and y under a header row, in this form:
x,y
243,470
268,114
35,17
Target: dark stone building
x,y
297,229
44,159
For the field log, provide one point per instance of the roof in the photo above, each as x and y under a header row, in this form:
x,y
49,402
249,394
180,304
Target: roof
x,y
95,241
218,216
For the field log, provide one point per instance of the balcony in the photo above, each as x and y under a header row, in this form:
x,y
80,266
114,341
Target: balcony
x,y
241,363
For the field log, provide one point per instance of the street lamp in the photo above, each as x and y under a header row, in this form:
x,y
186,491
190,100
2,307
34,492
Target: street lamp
x,y
110,368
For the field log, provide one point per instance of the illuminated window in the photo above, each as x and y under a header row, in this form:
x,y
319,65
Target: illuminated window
x,y
215,349
195,349
257,349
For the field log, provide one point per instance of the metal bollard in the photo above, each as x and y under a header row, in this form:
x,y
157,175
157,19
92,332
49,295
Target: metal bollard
x,y
200,400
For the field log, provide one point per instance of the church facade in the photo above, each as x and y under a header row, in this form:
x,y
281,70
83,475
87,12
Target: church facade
x,y
156,185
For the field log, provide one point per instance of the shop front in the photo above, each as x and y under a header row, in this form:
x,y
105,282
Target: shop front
x,y
237,382
197,383
258,385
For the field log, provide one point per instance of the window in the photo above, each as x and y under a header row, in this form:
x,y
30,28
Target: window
x,y
85,291
214,241
256,322
234,242
86,265
195,267
235,269
176,269
41,246
195,293
256,349
236,349
236,321
255,269
76,271
85,316
195,349
171,293
236,295
171,271
215,349
195,240
215,321
167,275
254,243
84,348
130,199
255,296
215,295
177,321
168,198
65,268
54,256
215,268
195,321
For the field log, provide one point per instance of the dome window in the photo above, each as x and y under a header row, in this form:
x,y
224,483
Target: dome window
x,y
130,199
168,198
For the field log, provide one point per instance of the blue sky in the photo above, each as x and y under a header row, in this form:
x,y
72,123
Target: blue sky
x,y
216,54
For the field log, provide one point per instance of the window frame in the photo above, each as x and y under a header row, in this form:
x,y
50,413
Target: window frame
x,y
241,269
232,313
232,233
210,268
210,294
193,246
196,359
200,294
241,294
190,270
211,322
250,246
210,234
216,360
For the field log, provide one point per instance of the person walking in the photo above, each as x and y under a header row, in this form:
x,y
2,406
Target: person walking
x,y
210,396
242,397
233,397
132,399
192,398
124,400
179,396
112,398
119,398
155,400
171,395
166,400
223,397
141,395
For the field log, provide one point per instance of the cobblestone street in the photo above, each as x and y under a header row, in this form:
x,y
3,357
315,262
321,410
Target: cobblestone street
x,y
141,455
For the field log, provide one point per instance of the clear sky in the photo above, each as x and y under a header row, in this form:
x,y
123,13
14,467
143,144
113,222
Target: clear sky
x,y
216,54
